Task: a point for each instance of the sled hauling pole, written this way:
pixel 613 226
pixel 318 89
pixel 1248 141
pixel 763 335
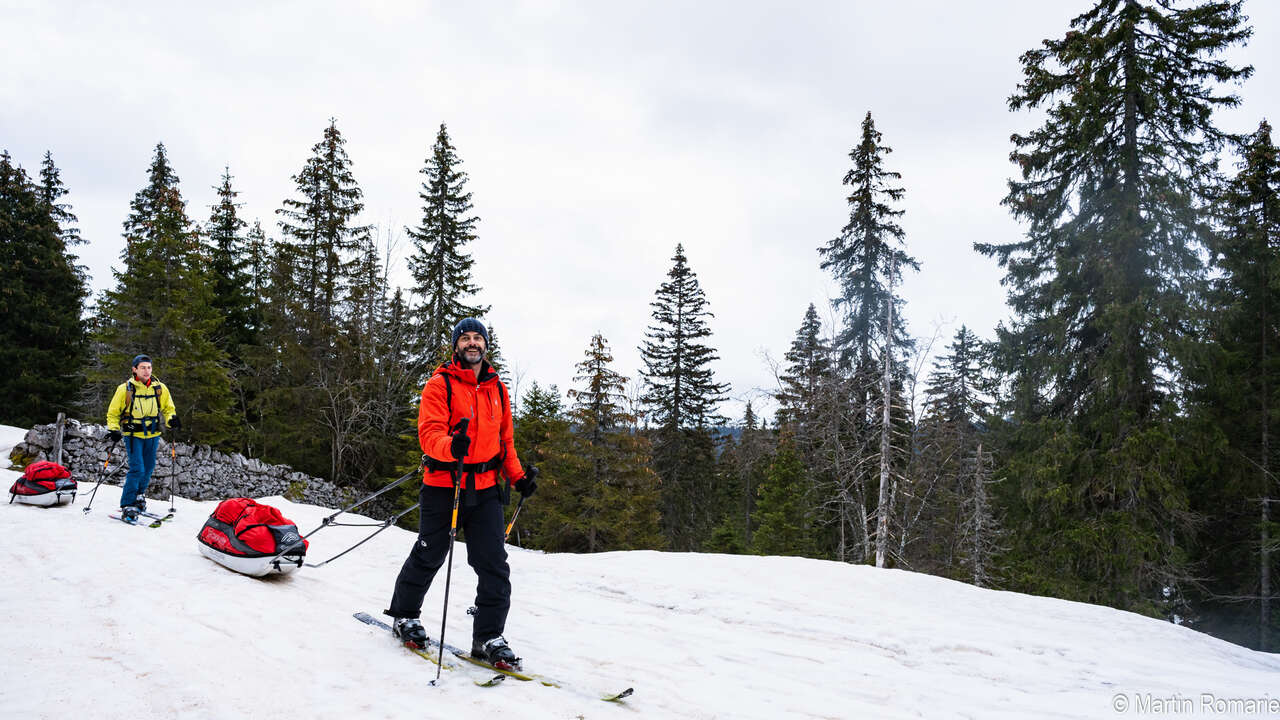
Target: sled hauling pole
pixel 326 522
pixel 453 533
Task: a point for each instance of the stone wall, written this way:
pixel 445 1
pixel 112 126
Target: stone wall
pixel 200 474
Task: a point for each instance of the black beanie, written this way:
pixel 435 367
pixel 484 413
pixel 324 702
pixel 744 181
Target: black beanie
pixel 469 325
pixel 144 358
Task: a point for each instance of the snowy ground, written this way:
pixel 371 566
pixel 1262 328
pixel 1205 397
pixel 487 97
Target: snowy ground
pixel 106 620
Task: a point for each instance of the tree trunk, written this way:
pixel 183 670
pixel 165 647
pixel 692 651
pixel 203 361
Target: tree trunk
pixel 1264 559
pixel 979 518
pixel 883 509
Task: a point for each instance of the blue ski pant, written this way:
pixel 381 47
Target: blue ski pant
pixel 142 461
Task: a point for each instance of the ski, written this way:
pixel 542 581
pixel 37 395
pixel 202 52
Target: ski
pixel 121 518
pixel 461 654
pixel 528 677
pixel 619 696
pixel 423 653
pixel 158 518
pixel 509 672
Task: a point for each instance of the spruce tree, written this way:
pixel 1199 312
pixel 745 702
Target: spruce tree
pixel 284 401
pixel 949 520
pixel 321 237
pixel 615 492
pixel 257 254
pixel 42 336
pixel 543 437
pixel 1103 289
pixel 317 333
pixel 162 306
pixel 441 264
pixel 741 469
pixel 229 267
pixel 1234 403
pixel 867 255
pixel 51 191
pixel 862 455
pixel 954 393
pixel 784 509
pixel 807 373
pixel 681 395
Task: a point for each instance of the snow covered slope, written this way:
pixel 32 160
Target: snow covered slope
pixel 104 620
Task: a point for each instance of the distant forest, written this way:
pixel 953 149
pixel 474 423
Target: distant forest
pixel 1110 444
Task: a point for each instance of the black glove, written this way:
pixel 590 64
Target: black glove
pixel 174 423
pixel 113 436
pixel 529 483
pixel 459 446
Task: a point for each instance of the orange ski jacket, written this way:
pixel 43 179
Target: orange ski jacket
pixel 485 403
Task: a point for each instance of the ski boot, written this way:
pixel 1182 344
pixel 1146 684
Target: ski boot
pixel 129 514
pixel 410 632
pixel 496 652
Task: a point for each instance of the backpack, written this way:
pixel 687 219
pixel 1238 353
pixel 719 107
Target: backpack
pixel 44 483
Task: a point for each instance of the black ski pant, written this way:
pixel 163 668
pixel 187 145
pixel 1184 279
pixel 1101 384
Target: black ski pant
pixel 482 526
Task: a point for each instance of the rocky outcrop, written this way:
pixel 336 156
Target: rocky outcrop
pixel 199 473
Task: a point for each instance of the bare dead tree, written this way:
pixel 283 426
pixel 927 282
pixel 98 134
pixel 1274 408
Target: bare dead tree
pixel 982 527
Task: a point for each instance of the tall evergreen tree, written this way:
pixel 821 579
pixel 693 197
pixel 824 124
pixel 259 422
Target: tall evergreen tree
pixel 441 265
pixel 51 191
pixel 867 255
pixel 317 335
pixel 1235 402
pixel 543 435
pixel 784 511
pixel 743 464
pixel 42 336
pixel 1103 288
pixel 682 395
pixel 950 524
pixel 955 390
pixel 257 253
pixel 230 283
pixel 614 492
pixel 864 454
pixel 807 373
pixel 247 372
pixel 162 305
pixel 321 236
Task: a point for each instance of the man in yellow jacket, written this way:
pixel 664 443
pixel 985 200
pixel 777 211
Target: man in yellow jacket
pixel 135 413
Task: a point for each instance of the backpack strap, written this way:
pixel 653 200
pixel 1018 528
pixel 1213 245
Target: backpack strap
pixel 128 405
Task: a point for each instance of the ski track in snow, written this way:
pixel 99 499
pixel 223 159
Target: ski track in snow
pixel 107 620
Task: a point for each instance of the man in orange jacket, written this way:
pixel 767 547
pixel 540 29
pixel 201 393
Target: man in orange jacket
pixel 465 388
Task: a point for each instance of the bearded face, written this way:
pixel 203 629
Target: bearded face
pixel 470 348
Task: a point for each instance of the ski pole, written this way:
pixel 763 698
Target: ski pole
pixel 514 515
pixel 453 533
pixel 102 476
pixel 173 458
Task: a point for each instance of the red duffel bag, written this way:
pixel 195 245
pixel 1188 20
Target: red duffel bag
pixel 44 483
pixel 252 538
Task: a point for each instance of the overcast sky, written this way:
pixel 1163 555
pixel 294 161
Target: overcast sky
pixel 596 135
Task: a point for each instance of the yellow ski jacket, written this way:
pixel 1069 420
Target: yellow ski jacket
pixel 150 403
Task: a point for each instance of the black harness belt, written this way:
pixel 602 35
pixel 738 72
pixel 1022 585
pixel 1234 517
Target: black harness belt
pixel 469 472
